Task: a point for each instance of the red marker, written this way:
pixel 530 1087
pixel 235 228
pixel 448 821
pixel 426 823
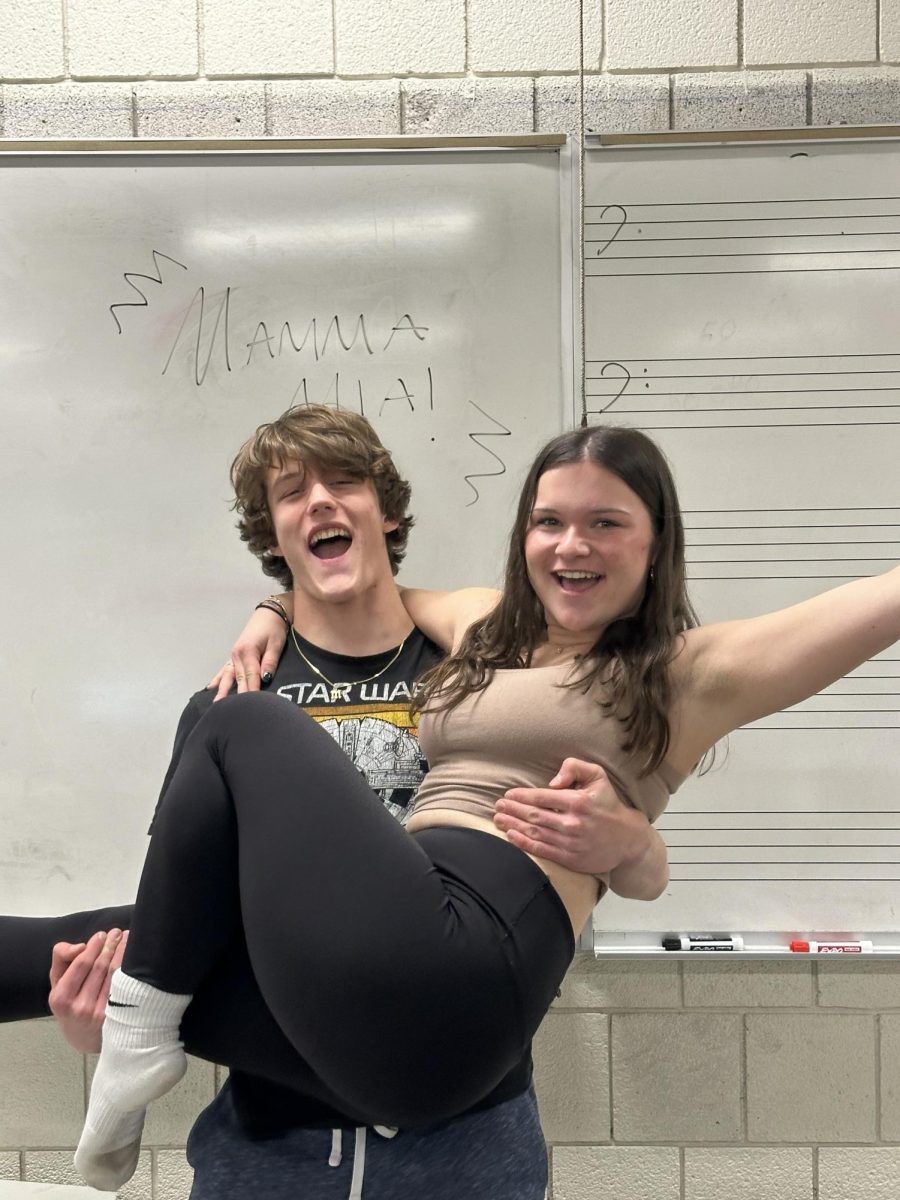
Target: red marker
pixel 831 947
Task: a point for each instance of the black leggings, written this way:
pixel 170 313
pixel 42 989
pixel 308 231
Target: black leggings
pixel 226 1022
pixel 26 947
pixel 408 973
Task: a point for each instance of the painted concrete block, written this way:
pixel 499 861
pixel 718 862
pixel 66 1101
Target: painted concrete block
pixel 890 1077
pixel 278 37
pixel 200 110
pixel 740 100
pixel 399 38
pixel 817 31
pixel 56 1166
pixel 890 30
pixel 871 985
pixel 67 110
pixel 662 34
pixel 612 104
pixel 334 108
pixel 571 1067
pixel 133 39
pixel 747 985
pixel 810 1077
pixel 676 1077
pixel 867 97
pixel 748 1174
pixel 540 36
pixel 31 40
pixel 9 1165
pixel 173 1176
pixel 847 1172
pixel 41 1087
pixel 615 1173
pixel 460 106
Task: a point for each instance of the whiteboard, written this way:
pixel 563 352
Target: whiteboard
pixel 741 306
pixel 156 307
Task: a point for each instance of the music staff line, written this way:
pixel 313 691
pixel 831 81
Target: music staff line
pixel 694 369
pixel 758 526
pixel 762 271
pixel 749 254
pixel 836 542
pixel 718 358
pixel 697 239
pixel 737 203
pixel 744 237
pixel 815 386
pixel 735 877
pixel 615 237
pixel 705 212
pixel 778 820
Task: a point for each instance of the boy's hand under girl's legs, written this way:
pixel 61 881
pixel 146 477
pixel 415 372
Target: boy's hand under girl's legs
pixel 141 1059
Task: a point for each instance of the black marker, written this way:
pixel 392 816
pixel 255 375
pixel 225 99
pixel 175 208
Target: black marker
pixel 702 941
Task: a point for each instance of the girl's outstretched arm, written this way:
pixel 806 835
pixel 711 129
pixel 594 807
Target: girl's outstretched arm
pixel 730 674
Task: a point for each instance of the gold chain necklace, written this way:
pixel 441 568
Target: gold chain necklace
pixel 339 689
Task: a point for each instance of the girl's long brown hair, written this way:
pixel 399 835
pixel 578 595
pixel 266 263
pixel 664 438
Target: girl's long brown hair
pixel 633 654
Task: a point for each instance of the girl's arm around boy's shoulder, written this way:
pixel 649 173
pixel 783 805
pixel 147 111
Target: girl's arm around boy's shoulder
pixel 730 674
pixel 445 616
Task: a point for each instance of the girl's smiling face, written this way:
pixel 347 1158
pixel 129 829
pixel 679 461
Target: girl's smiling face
pixel 588 550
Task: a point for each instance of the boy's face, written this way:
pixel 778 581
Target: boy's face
pixel 330 529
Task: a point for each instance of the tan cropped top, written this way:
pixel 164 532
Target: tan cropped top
pixel 516 733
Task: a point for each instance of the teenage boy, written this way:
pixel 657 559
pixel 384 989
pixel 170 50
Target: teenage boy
pixel 323 507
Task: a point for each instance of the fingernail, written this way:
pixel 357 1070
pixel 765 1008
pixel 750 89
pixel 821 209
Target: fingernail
pixel 267 677
pixel 114 936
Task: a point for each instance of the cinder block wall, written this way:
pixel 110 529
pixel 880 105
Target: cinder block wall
pixel 657 1082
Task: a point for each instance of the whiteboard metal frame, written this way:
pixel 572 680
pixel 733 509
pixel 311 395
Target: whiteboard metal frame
pixel 546 141
pixel 716 137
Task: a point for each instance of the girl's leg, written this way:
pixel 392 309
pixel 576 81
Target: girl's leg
pixel 26 947
pixel 378 967
pixel 227 1022
pixel 266 821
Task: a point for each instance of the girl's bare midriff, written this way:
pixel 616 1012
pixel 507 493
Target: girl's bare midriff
pixel 579 893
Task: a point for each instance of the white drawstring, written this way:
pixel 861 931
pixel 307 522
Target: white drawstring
pixel 359 1164
pixel 359 1155
pixel 334 1158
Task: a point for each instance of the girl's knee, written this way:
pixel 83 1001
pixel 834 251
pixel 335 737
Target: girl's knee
pixel 251 712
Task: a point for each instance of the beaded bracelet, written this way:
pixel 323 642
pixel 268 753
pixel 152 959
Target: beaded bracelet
pixel 274 605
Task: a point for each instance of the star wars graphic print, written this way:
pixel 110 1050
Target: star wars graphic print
pixel 384 745
pixel 368 718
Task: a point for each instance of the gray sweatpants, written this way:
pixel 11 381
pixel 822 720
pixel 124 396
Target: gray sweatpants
pixel 496 1154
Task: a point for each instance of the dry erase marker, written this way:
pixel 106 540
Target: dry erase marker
pixel 804 947
pixel 702 941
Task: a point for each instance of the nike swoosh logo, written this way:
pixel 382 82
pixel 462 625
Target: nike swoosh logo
pixel 119 1004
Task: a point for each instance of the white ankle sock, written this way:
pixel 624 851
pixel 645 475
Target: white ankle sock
pixel 141 1059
